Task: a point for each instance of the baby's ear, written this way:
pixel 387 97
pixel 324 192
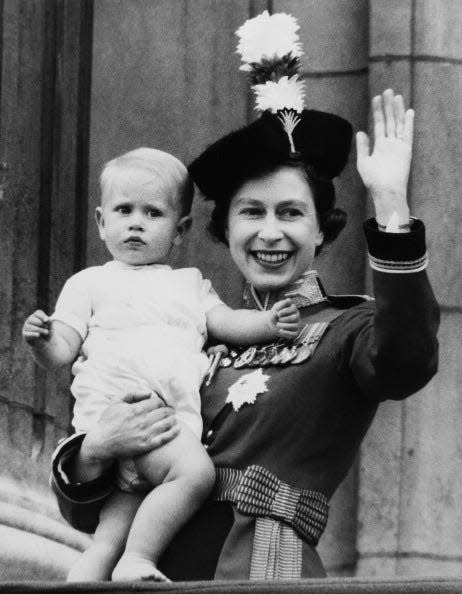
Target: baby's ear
pixel 100 221
pixel 183 226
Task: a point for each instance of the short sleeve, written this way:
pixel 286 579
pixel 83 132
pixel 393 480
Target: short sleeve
pixel 74 305
pixel 209 297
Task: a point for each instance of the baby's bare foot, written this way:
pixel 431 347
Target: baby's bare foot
pixel 132 567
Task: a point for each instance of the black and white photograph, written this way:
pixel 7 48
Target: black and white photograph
pixel 231 296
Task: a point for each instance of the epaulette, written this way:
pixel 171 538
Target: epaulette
pixel 347 301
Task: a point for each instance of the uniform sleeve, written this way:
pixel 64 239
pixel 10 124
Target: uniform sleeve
pixel 73 306
pixel 79 503
pixel 391 348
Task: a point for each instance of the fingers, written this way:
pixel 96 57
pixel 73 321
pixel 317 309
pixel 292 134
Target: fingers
pixel 36 326
pixel 408 126
pixel 362 145
pixel 159 440
pixel 152 402
pixel 399 115
pixel 288 318
pixel 288 333
pixel 292 325
pixel 286 310
pixel 390 118
pixel 377 114
pixel 388 101
pixel 132 398
pixel 157 428
pixel 281 305
pixel 164 416
pixel 383 115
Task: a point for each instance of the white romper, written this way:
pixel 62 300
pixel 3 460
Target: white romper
pixel 143 329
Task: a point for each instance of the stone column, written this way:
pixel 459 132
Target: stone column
pixel 410 520
pixel 42 45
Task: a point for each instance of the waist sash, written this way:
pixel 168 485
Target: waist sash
pixel 284 515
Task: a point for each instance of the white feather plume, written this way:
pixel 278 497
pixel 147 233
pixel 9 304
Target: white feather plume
pixel 268 36
pixel 270 49
pixel 286 93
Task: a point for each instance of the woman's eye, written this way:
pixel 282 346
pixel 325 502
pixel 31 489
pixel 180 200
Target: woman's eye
pixel 251 211
pixel 290 213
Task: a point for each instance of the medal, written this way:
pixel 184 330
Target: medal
pixel 276 357
pixel 245 358
pixel 304 352
pixel 270 352
pixel 287 354
pixel 277 353
pixel 261 357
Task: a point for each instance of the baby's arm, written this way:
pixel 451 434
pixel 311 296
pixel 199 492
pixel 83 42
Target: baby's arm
pixel 52 343
pixel 242 326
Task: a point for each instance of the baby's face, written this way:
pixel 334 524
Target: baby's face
pixel 140 224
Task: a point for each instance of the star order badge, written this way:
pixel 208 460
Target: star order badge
pixel 247 388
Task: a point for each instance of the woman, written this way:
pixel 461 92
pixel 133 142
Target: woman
pixel 283 422
pixel 295 444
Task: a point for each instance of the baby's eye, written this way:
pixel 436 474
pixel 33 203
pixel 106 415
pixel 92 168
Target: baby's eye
pixel 153 213
pixel 123 210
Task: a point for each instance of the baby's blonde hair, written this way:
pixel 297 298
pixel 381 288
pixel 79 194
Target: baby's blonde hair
pixel 155 164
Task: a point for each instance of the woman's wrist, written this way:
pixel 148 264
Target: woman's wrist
pixel 394 212
pixel 90 462
pixel 394 226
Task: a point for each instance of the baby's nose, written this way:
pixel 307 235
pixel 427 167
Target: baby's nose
pixel 136 223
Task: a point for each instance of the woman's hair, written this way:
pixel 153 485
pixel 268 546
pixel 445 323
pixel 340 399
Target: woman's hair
pixel 331 220
pixel 148 166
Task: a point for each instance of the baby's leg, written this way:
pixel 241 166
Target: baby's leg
pixel 116 517
pixel 185 476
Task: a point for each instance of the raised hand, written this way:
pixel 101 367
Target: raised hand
pixel 36 326
pixel 385 171
pixel 286 318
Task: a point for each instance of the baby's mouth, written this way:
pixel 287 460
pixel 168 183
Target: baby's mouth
pixel 271 258
pixel 134 240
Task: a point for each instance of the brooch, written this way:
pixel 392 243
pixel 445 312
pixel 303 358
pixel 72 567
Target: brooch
pixel 247 388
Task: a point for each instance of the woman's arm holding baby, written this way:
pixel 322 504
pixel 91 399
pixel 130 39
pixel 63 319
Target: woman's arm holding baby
pixel 52 343
pixel 243 326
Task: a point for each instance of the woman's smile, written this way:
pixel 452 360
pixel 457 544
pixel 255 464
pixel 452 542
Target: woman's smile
pixel 272 258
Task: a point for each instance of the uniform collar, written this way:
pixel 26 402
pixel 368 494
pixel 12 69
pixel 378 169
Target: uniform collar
pixel 305 291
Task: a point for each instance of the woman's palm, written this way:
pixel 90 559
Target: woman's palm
pixel 386 169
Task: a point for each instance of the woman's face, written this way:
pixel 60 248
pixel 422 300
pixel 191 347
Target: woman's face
pixel 273 229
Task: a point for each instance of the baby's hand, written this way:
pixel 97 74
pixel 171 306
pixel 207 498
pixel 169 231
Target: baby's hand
pixel 36 326
pixel 286 318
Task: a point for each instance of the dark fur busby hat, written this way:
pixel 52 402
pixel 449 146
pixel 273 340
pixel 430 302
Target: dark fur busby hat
pixel 321 140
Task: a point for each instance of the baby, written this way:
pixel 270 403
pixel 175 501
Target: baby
pixel 135 325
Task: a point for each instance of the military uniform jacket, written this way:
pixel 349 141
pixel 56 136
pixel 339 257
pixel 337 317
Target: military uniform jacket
pixel 280 458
